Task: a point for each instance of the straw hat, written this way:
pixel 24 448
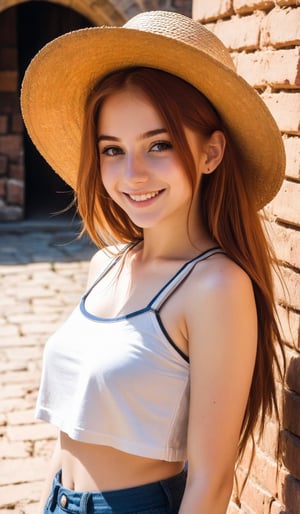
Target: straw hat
pixel 60 76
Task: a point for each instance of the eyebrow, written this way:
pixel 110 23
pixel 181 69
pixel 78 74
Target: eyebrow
pixel 146 135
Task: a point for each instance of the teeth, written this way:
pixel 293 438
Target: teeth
pixel 143 197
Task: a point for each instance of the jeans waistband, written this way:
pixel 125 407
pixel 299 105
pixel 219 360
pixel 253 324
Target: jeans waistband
pixel 154 495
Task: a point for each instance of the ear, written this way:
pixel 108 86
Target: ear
pixel 214 149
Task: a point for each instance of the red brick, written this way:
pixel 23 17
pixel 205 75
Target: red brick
pixel 15 192
pixel 8 81
pixel 281 28
pixel 286 243
pixel 3 124
pixel 16 171
pixel 291 453
pixel 233 509
pixel 285 108
pixel 245 7
pixel 291 413
pixel 17 124
pixel 255 499
pixel 276 68
pixel 264 470
pixel 292 150
pixel 9 102
pixel 291 492
pixel 267 444
pixel 212 10
pixel 2 188
pixel 285 3
pixel 289 294
pixel 3 164
pixel 285 206
pixel 11 146
pixel 265 498
pixel 8 58
pixel 289 326
pixel 8 24
pixel 240 33
pixel 276 507
pixel 293 374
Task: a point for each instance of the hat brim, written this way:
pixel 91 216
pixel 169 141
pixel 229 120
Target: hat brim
pixel 59 78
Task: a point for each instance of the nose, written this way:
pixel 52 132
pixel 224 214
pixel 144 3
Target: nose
pixel 135 169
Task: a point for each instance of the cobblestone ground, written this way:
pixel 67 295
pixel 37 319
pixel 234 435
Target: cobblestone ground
pixel 43 271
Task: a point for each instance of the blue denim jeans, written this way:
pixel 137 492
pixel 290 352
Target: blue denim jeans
pixel 163 497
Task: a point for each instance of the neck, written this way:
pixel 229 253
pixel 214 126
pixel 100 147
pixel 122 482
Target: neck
pixel 179 244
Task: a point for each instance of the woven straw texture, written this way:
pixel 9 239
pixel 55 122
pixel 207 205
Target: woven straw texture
pixel 60 76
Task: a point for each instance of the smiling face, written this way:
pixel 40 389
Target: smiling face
pixel 140 168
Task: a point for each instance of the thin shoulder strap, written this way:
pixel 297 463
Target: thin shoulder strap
pixel 110 265
pixel 107 268
pixel 170 287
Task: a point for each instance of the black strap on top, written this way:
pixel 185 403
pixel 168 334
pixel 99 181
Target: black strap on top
pixel 172 284
pixel 109 266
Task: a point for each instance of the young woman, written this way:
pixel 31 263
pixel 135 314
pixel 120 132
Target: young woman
pixel 169 357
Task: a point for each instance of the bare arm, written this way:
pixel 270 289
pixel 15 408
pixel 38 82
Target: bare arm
pixel 222 333
pixel 54 466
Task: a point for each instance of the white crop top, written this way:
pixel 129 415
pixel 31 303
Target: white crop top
pixel 119 382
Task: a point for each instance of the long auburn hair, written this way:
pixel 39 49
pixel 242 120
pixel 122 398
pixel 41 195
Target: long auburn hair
pixel 226 208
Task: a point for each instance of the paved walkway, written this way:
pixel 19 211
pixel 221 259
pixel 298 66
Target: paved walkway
pixel 43 270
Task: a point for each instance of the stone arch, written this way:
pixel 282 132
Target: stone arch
pixel 99 12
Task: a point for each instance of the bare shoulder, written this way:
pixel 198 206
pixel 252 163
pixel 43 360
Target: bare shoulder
pixel 218 275
pixel 219 289
pixel 98 262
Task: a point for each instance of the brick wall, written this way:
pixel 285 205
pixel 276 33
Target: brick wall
pixel 264 37
pixel 11 158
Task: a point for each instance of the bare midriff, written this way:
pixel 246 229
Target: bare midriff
pixel 91 467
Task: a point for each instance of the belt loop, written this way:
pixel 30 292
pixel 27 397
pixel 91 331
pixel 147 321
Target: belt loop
pixel 84 503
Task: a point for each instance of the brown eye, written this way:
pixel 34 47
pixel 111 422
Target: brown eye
pixel 161 146
pixel 111 151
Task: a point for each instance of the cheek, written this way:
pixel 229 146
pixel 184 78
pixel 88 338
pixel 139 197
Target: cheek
pixel 106 181
pixel 106 174
pixel 109 181
pixel 185 179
